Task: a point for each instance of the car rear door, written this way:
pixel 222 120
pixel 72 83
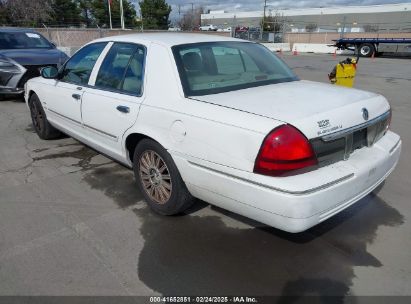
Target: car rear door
pixel 64 100
pixel 111 102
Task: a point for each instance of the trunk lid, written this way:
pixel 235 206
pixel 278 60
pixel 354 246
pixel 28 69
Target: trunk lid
pixel 315 108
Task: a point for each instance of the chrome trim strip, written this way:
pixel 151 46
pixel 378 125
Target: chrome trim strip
pixel 395 146
pixel 102 132
pixel 63 116
pixel 309 191
pixel 345 132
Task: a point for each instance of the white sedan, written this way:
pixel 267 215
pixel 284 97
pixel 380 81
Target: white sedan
pixel 222 120
pixel 208 27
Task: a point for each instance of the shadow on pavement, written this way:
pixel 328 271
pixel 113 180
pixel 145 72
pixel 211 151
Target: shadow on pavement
pixel 194 255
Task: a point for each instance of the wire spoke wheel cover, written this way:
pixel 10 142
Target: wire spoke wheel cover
pixel 155 177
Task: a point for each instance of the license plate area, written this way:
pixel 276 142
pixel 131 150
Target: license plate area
pixel 336 147
pixel 354 141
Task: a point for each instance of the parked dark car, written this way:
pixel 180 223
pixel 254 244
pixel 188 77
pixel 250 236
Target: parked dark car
pixel 23 53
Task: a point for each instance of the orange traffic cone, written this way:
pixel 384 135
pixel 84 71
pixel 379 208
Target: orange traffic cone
pixel 373 56
pixel 335 53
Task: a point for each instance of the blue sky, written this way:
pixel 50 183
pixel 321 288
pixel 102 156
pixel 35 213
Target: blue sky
pixel 249 5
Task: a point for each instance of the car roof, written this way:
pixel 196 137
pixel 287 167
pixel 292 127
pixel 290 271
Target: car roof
pixel 168 39
pixel 16 30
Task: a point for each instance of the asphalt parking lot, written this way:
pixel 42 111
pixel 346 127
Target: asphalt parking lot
pixel 72 222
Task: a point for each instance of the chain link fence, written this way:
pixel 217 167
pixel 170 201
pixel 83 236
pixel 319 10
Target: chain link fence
pixel 71 39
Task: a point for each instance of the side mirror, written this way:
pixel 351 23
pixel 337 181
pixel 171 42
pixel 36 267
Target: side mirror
pixel 49 72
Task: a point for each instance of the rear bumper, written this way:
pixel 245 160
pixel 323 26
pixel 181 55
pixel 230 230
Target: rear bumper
pixel 287 203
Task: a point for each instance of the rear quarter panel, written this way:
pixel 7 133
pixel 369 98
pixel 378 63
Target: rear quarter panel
pixel 194 129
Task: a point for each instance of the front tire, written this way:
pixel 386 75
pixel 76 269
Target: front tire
pixel 40 123
pixel 159 180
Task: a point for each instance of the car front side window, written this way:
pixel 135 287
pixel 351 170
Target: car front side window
pixel 78 69
pixel 122 69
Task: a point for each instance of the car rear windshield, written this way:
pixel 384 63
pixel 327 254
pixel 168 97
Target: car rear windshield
pixel 216 67
pixel 23 40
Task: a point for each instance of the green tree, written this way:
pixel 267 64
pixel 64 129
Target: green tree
pixel 4 20
pixel 155 14
pixel 85 12
pixel 311 27
pixel 99 9
pixel 272 23
pixel 25 12
pixel 66 13
pixel 191 19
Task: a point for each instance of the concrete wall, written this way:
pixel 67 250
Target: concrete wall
pixel 278 47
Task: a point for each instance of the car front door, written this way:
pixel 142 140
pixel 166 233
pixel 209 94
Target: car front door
pixel 111 102
pixel 64 100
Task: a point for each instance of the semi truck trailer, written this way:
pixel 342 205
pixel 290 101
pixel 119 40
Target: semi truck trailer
pixel 367 47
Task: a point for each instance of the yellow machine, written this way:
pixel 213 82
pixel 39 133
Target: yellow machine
pixel 343 73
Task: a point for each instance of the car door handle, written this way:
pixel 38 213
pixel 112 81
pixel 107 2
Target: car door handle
pixel 76 96
pixel 123 109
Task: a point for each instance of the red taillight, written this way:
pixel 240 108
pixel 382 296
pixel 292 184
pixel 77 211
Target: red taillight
pixel 283 150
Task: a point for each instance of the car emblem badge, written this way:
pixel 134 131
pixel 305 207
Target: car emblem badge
pixel 324 123
pixel 365 114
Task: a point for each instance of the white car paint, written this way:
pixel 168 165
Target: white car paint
pixel 208 27
pixel 214 139
pixel 287 102
pixel 174 29
pixel 225 30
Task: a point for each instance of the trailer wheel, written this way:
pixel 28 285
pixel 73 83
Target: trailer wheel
pixel 366 50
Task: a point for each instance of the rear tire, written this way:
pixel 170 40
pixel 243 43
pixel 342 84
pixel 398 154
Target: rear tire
pixel 366 50
pixel 159 180
pixel 40 123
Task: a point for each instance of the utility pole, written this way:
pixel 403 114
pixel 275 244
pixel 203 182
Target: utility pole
pixel 234 26
pixel 109 13
pixel 122 15
pixel 142 21
pixel 263 23
pixel 343 27
pixel 192 16
pixel 265 8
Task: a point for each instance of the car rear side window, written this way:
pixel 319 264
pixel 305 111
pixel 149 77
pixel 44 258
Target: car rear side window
pixel 78 69
pixel 122 69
